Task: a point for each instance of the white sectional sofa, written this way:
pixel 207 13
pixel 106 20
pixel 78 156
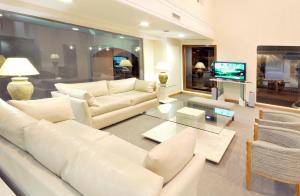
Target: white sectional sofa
pixel 43 151
pixel 103 103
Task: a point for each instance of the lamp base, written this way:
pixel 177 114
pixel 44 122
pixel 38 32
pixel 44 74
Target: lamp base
pixel 20 88
pixel 163 78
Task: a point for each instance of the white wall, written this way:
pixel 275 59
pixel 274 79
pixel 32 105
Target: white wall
pixel 169 52
pixel 240 26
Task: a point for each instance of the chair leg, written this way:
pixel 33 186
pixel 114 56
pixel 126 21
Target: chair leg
pixel 297 189
pixel 248 166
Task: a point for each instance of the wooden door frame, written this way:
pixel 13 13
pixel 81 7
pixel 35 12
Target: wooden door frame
pixel 184 47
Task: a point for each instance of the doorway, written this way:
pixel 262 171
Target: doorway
pixel 197 67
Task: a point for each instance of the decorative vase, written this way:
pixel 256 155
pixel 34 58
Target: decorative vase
pixel 163 78
pixel 20 88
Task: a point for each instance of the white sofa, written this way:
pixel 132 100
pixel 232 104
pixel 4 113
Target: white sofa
pixel 63 157
pixel 103 103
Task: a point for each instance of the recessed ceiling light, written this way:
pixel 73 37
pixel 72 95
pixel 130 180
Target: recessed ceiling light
pixel 1 15
pixel 122 37
pixel 99 49
pixel 144 24
pixel 67 1
pixel 181 35
pixel 90 48
pixel 107 49
pixel 75 29
pixel 71 47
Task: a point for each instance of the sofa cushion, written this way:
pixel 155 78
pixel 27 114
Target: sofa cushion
pixel 145 86
pixel 52 109
pixel 137 97
pixel 12 123
pixel 120 86
pixel 122 148
pixel 106 104
pixel 77 93
pixel 169 158
pixel 80 131
pixel 50 146
pixel 98 172
pixel 98 88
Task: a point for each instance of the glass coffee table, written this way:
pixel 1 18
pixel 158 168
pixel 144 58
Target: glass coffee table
pixel 213 137
pixel 215 118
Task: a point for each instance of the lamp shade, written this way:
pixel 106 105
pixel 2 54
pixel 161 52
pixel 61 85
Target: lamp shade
pixel 200 65
pixel 18 67
pixel 125 63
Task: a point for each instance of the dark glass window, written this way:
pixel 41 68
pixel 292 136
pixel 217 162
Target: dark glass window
pixel 67 53
pixel 278 74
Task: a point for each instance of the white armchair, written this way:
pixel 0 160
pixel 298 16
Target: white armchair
pixel 274 154
pixel 279 119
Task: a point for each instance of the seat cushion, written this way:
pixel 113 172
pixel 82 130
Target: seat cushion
pixel 122 148
pixel 98 172
pixel 12 123
pixel 98 88
pixel 145 86
pixel 50 146
pixel 80 131
pixel 120 86
pixel 51 109
pixel 169 158
pixel 105 104
pixel 137 97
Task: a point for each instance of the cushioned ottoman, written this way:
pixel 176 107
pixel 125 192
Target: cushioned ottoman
pixel 191 116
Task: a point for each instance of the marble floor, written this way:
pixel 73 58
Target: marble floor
pixel 225 178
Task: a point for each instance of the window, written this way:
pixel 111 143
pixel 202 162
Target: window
pixel 67 53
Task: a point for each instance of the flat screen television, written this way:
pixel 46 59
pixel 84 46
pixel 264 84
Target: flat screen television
pixel 117 60
pixel 229 70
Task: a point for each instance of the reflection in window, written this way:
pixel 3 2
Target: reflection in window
pixel 278 75
pixel 198 70
pixel 67 53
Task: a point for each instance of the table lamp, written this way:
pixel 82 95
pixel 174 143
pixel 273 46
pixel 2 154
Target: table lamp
pixel 200 67
pixel 2 60
pixel 125 63
pixel 19 88
pixel 162 76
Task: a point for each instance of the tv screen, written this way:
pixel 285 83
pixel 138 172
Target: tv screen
pixel 229 70
pixel 117 60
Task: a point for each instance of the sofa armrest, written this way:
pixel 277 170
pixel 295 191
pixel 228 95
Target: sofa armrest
pixel 80 108
pixel 279 116
pixel 277 135
pixel 280 163
pixel 187 181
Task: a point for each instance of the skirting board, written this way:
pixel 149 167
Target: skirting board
pixel 212 146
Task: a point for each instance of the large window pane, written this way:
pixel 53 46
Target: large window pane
pixel 67 53
pixel 278 75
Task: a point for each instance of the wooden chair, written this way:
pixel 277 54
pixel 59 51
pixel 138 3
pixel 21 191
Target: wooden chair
pixel 274 154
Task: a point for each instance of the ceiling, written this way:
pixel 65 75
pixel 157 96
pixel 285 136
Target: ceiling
pixel 122 17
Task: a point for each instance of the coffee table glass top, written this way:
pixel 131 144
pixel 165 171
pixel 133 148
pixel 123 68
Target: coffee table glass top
pixel 215 118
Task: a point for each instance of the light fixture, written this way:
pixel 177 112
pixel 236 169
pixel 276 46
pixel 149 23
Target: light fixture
pixel 90 48
pixel 99 49
pixel 75 29
pixel 125 63
pixel 67 1
pixel 137 49
pixel 71 47
pixel 144 24
pixel 19 88
pixel 1 15
pixel 181 35
pixel 122 37
pixel 107 49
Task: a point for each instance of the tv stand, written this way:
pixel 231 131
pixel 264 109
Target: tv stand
pixel 243 85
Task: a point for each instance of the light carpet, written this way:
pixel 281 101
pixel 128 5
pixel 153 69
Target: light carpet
pixel 226 178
